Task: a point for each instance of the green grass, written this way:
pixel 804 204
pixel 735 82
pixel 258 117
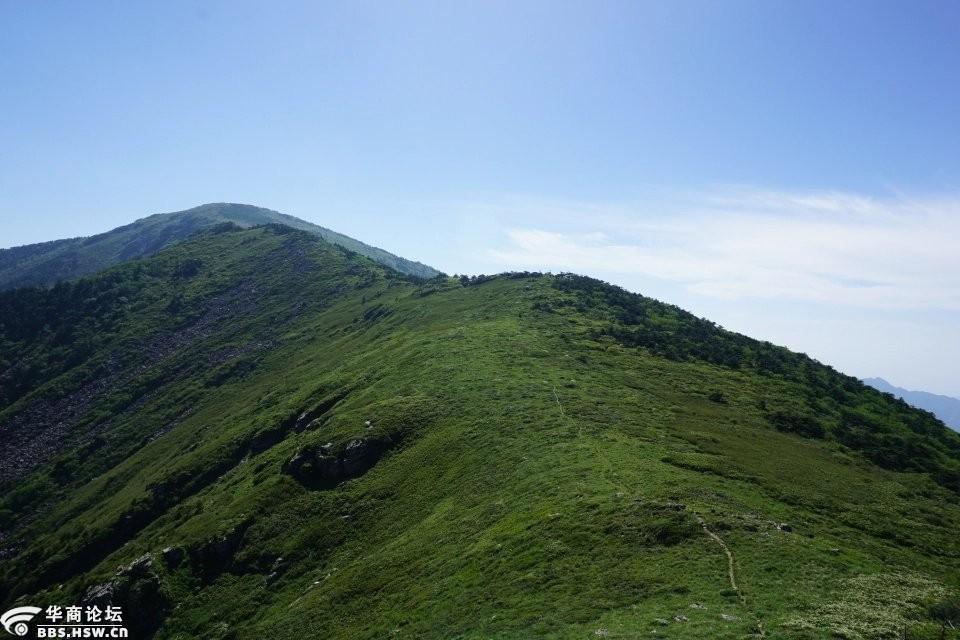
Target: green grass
pixel 547 478
pixel 48 262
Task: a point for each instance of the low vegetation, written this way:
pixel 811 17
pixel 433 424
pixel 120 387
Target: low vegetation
pixel 295 441
pixel 46 263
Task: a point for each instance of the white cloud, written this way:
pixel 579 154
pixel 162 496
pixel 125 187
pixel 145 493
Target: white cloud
pixel 840 248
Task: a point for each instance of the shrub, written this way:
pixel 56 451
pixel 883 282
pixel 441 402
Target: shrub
pixel 800 424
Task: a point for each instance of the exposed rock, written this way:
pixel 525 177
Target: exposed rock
pixel 681 618
pixel 728 618
pixel 232 353
pixel 276 570
pixel 321 467
pixel 100 594
pixel 360 455
pixel 303 420
pixel 139 567
pixel 213 557
pixel 314 416
pixel 47 425
pixel 173 556
pixel 136 589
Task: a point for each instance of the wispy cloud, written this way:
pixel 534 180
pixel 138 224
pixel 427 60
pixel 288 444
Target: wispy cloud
pixel 895 253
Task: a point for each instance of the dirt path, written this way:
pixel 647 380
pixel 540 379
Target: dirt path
pixel 726 550
pixel 731 571
pixel 731 562
pixel 557 398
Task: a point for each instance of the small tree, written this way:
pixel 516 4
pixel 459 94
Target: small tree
pixel 947 613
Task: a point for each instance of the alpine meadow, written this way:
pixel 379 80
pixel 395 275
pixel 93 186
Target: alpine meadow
pixel 256 433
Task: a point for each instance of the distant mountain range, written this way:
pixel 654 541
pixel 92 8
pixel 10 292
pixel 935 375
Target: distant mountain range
pixel 48 262
pixel 944 407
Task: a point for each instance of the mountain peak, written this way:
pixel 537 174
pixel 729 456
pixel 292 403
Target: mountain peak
pixel 48 262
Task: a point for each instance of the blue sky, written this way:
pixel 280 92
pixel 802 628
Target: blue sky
pixel 790 170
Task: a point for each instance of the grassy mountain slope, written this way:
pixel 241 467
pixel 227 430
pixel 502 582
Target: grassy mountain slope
pixel 273 437
pixel 49 262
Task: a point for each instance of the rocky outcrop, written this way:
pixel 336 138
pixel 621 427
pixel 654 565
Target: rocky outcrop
pixel 212 557
pixel 137 590
pixel 172 556
pixel 327 466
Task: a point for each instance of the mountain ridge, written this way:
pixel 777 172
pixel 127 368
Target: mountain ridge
pixel 43 264
pixel 946 408
pixel 252 426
